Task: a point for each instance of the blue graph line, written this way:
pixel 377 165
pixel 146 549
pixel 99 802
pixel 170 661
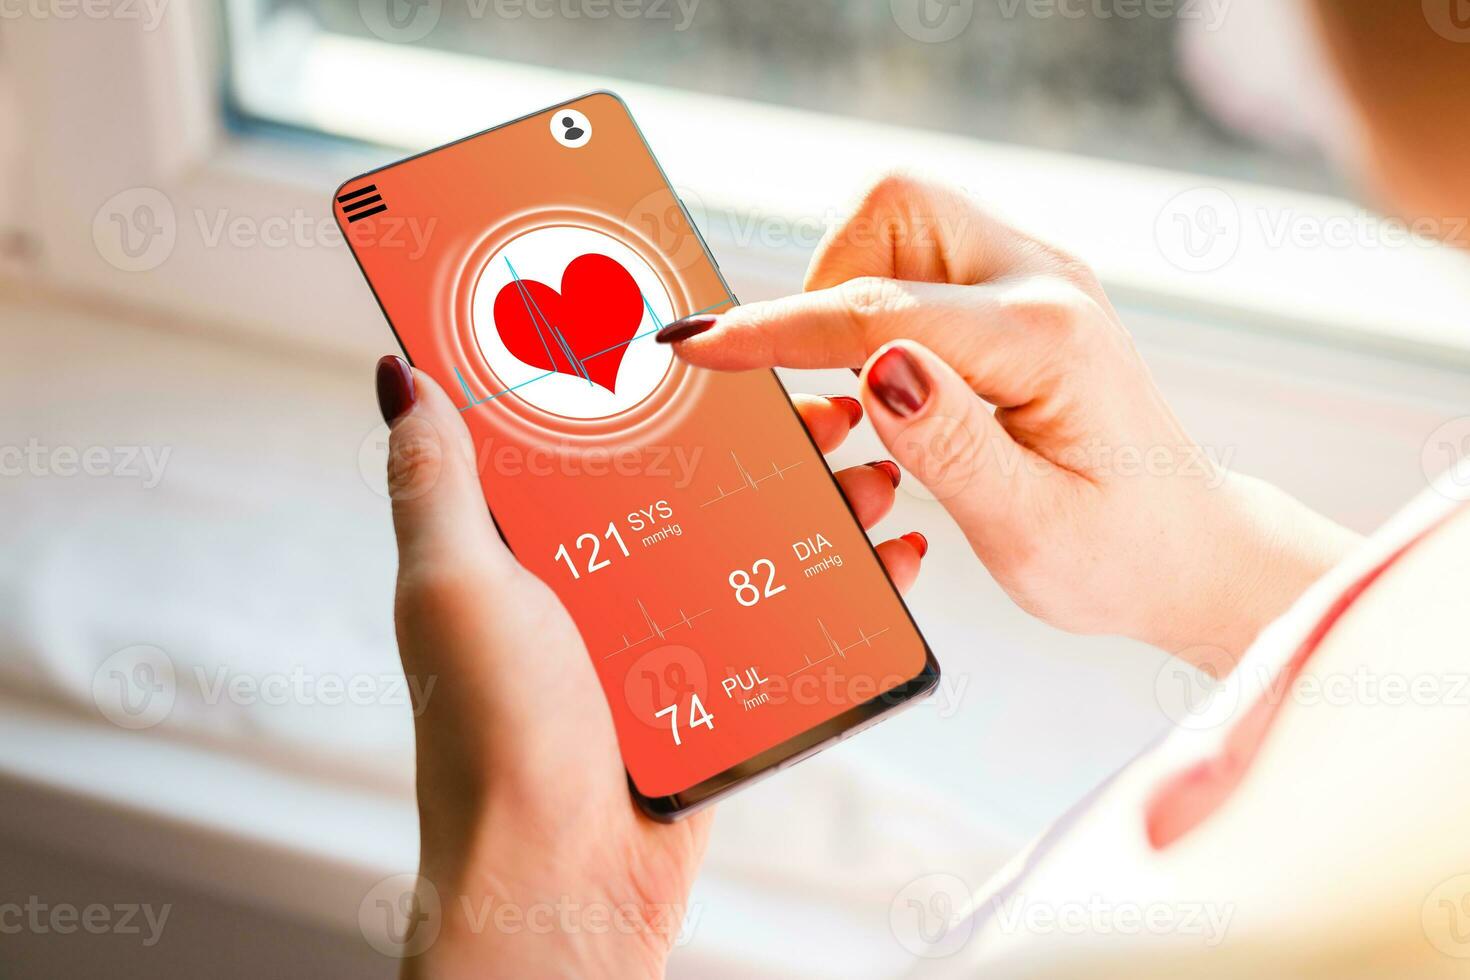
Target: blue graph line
pixel 469 397
pixel 658 325
pixel 531 305
pixel 534 325
pixel 525 301
pixel 652 313
pixel 506 391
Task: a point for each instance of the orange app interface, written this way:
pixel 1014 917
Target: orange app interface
pixel 728 600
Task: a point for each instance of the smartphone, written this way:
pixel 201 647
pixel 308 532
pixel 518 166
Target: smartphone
pixel 734 610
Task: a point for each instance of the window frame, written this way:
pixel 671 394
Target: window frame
pixel 167 122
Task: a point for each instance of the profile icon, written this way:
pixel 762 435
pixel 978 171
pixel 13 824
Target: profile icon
pixel 570 128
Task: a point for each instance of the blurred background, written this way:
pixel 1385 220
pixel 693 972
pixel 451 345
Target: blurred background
pixel 205 742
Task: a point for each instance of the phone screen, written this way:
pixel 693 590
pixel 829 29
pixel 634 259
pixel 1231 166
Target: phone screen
pixel 733 608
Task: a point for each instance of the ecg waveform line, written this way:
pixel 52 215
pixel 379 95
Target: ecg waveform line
pixel 837 650
pixel 749 482
pixel 538 320
pixel 579 365
pixel 654 629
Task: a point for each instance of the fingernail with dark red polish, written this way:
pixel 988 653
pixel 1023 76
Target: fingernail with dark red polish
pixel 396 393
pixel 920 543
pixel 899 382
pixel 889 469
pixel 851 406
pixel 690 326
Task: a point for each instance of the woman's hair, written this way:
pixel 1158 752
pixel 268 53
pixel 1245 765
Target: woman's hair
pixel 1406 65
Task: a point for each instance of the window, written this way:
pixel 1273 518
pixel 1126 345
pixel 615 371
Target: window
pixel 1097 79
pixel 767 114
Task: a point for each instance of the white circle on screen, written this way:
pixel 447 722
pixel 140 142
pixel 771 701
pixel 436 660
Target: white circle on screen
pixel 564 316
pixel 571 128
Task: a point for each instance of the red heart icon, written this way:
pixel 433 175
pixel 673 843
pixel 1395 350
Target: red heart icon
pixel 583 330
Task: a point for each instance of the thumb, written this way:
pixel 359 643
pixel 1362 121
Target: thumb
pixel 939 430
pixel 439 511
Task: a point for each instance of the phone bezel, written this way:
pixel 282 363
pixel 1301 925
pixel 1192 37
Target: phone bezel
pixel 865 714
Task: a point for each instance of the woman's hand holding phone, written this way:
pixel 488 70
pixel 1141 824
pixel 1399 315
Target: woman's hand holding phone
pixel 523 800
pixel 997 372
